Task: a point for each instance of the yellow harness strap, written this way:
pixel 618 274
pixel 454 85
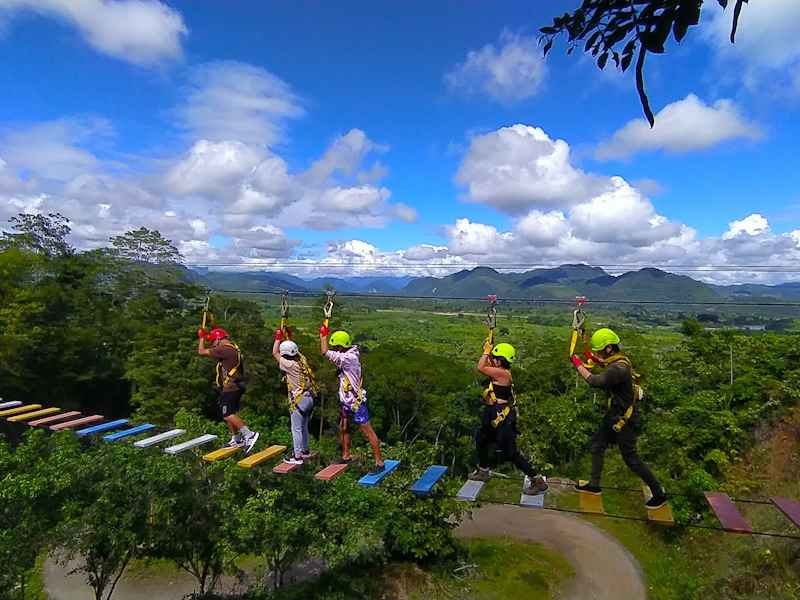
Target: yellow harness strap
pixel 490 398
pixel 307 382
pixel 224 377
pixel 347 386
pixel 637 391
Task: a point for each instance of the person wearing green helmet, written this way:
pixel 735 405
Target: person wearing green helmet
pixel 499 418
pixel 341 351
pixel 621 418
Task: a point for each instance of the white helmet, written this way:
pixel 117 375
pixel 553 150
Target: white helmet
pixel 289 349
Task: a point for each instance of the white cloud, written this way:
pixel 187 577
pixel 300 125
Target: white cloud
pixel 466 238
pixel 683 126
pixel 767 48
pixel 235 101
pixel 510 72
pixel 543 229
pixel 517 167
pixel 212 168
pixel 142 32
pixel 751 225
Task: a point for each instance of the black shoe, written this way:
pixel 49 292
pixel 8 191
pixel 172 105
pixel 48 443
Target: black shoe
pixel 589 489
pixel 656 501
pixel 345 461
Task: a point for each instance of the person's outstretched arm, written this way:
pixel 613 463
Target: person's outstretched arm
pixel 201 343
pixel 484 367
pixel 276 345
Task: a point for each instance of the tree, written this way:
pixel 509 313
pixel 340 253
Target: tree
pixel 145 246
pixel 43 234
pixel 624 29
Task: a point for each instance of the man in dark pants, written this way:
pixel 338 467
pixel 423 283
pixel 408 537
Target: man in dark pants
pixel 621 418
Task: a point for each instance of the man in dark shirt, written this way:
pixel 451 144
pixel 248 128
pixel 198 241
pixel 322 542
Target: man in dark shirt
pixel 621 417
pixel 229 382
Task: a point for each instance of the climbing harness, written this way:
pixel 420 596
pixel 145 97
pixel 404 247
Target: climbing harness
pixel 637 391
pixel 307 384
pixel 234 375
pixel 489 396
pixel 579 331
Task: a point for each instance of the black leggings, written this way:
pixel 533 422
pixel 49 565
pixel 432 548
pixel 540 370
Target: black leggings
pixel 504 437
pixel 626 440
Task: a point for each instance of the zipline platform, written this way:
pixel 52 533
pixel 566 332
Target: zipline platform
pixel 371 480
pixel 431 476
pixel 32 415
pixel 157 439
pixel 729 516
pixel 331 472
pixel 55 418
pixel 259 457
pixel 113 437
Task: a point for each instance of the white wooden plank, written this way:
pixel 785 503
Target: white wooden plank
pixel 157 439
pixel 470 490
pixel 193 443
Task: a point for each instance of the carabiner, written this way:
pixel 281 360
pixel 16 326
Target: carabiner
pixel 328 308
pixel 491 314
pixel 285 304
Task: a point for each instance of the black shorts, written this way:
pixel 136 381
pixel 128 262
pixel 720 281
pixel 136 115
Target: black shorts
pixel 230 402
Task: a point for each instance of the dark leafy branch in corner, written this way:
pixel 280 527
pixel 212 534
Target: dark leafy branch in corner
pixel 622 29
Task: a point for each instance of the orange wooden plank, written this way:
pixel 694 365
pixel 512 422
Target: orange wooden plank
pixel 54 418
pixel 331 472
pixel 76 422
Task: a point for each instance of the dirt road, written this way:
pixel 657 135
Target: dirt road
pixel 604 570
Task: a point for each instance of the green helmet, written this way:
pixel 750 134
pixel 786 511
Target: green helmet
pixel 341 338
pixel 506 351
pixel 602 338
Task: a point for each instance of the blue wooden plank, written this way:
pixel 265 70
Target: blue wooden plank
pixel 113 437
pixel 425 484
pixel 373 480
pixel 102 427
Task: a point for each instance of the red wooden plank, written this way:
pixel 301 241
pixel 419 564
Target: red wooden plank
pixel 790 508
pixel 54 418
pixel 331 472
pixel 76 423
pixel 729 516
pixel 284 467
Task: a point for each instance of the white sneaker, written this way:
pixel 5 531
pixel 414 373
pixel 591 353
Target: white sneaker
pixel 250 441
pixel 291 459
pixel 235 442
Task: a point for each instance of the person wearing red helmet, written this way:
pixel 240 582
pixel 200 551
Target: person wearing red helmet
pixel 229 381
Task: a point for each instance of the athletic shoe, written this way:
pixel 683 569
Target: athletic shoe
pixel 480 474
pixel 589 489
pixel 235 442
pixel 538 485
pixel 291 459
pixel 306 454
pixel 376 470
pixel 250 441
pixel 657 501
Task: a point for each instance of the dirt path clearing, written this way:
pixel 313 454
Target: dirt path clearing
pixel 604 570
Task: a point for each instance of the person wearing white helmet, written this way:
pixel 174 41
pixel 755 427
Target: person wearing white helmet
pixel 301 387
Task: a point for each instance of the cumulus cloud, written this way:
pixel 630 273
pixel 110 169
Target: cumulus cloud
pixel 751 225
pixel 509 72
pixel 517 167
pixel 683 126
pixel 142 32
pixel 231 100
pixel 212 168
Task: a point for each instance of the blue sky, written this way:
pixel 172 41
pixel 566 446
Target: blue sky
pixel 384 135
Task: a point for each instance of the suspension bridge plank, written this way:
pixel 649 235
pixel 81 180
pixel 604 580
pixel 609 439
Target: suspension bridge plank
pixel 76 423
pixel 371 480
pixel 729 516
pixel 331 472
pixel 429 478
pixel 220 453
pixel 663 514
pixel 790 508
pixel 55 418
pixel 590 502
pixel 193 443
pixel 32 415
pixel 470 490
pixel 20 409
pixel 15 403
pixel 157 439
pixel 535 501
pixel 259 457
pixel 118 435
pixel 283 467
pixel 107 426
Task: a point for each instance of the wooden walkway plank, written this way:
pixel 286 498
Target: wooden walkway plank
pixel 157 439
pixel 729 516
pixel 470 490
pixel 589 502
pixel 535 501
pixel 15 403
pixel 32 415
pixel 371 480
pixel 259 457
pixel 661 515
pixel 193 443
pixel 331 472
pixel 118 435
pixel 20 409
pixel 428 479
pixel 790 508
pixel 282 468
pixel 55 418
pixel 220 453
pixel 76 423
pixel 109 425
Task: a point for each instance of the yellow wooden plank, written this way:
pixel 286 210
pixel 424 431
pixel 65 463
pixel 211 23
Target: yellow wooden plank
pixel 19 410
pixel 590 503
pixel 662 515
pixel 32 415
pixel 259 457
pixel 219 454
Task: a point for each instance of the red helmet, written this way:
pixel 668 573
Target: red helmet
pixel 217 333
